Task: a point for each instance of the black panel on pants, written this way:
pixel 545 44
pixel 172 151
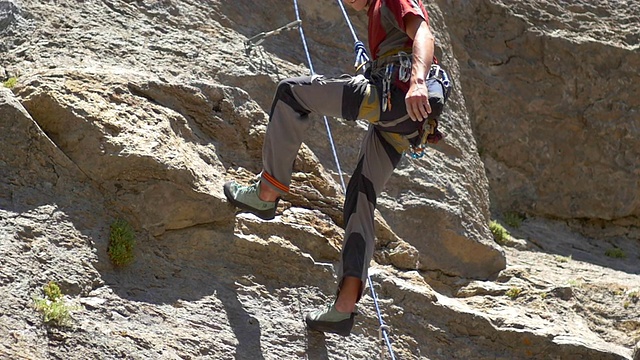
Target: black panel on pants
pixel 285 94
pixel 353 255
pixel 352 97
pixel 358 183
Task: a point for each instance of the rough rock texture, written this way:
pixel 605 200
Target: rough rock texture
pixel 142 109
pixel 457 199
pixel 552 91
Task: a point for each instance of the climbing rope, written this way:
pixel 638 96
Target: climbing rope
pixel 361 59
pixel 361 52
pixel 326 121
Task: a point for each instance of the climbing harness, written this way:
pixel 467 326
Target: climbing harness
pixel 401 61
pixel 404 74
pixel 258 39
pixel 436 73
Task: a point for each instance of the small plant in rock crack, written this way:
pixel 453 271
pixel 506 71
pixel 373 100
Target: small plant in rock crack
pixel 10 83
pixel 513 219
pixel 514 292
pixel 500 234
pixel 121 243
pixel 563 259
pixel 53 307
pixel 618 292
pixel 575 283
pixel 616 253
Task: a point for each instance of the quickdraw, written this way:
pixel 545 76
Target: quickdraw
pixel 416 152
pixel 431 136
pixel 258 39
pixel 404 74
pixel 386 87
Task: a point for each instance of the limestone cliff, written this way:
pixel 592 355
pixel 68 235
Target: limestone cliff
pixel 141 110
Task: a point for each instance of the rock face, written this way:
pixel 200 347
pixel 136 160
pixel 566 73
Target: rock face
pixel 553 92
pixel 141 110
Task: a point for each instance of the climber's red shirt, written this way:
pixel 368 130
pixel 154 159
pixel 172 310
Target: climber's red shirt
pixel 386 25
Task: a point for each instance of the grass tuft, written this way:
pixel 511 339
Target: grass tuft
pixel 514 292
pixel 513 219
pixel 500 234
pixel 53 307
pixel 121 243
pixel 616 253
pixel 563 259
pixel 10 83
pixel 576 283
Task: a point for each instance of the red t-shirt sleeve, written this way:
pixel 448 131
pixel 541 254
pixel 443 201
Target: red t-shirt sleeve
pixel 400 8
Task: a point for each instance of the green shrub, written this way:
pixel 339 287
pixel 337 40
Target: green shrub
pixel 121 243
pixel 52 306
pixel 52 291
pixel 514 292
pixel 500 234
pixel 513 219
pixel 10 83
pixel 616 253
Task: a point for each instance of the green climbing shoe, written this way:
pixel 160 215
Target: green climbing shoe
pixel 246 198
pixel 331 320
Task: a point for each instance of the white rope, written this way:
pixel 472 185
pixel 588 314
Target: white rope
pixel 361 58
pixel 326 121
pixel 381 333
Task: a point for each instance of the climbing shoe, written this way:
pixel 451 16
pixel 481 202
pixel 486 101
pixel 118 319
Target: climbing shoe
pixel 246 198
pixel 330 320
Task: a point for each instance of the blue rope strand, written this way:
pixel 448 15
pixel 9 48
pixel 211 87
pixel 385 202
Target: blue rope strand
pixel 360 50
pixel 361 57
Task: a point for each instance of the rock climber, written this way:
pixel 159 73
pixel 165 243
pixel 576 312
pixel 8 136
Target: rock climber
pixel 401 94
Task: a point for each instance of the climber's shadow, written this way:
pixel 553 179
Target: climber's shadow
pixel 190 266
pixel 245 327
pixel 316 346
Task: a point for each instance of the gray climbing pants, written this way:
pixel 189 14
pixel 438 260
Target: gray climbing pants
pixel 350 98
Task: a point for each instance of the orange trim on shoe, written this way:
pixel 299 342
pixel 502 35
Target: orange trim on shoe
pixel 277 184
